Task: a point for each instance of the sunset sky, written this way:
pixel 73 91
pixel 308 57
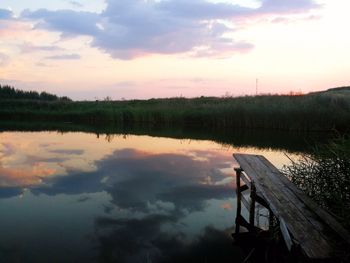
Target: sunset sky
pixel 91 49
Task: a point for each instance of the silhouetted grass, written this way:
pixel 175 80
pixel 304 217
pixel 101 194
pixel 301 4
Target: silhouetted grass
pixel 325 176
pixel 314 112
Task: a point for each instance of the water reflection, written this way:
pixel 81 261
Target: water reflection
pixel 77 198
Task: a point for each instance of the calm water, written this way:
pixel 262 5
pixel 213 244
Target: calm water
pixel 78 197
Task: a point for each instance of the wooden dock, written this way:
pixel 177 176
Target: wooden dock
pixel 305 227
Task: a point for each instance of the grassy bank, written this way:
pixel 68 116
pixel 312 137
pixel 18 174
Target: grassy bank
pixel 313 112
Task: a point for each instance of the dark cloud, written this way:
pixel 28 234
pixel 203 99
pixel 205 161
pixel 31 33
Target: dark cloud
pixel 74 183
pixel 108 209
pixel 192 197
pixel 167 177
pixel 5 14
pixel 64 57
pixel 6 192
pixel 83 199
pixel 143 240
pixel 131 240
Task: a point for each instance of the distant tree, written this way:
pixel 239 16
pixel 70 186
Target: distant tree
pixel 8 92
pixel 108 98
pixel 47 96
pixel 65 98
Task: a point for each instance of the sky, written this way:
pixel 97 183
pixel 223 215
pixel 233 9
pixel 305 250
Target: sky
pixel 140 49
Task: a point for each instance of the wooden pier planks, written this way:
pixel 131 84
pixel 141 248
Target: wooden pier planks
pixel 304 221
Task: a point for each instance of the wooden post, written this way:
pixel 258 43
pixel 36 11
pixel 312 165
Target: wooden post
pixel 252 205
pixel 271 223
pixel 239 197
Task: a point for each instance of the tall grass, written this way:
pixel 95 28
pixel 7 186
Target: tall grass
pixel 314 112
pixel 325 176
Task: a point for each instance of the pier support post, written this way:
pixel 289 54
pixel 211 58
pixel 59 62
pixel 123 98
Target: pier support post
pixel 252 205
pixel 239 197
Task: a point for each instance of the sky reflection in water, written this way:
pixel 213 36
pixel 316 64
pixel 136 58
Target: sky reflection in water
pixel 77 198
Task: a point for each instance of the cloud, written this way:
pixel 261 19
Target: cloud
pixel 76 4
pixel 139 223
pixel 41 64
pixel 64 57
pixel 27 47
pixel 291 6
pixel 83 199
pixel 7 149
pixel 191 197
pixel 134 28
pixel 18 177
pixel 202 10
pixel 138 28
pixel 69 22
pixel 68 151
pixel 5 14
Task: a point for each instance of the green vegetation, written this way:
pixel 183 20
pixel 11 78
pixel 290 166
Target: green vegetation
pixel 10 93
pixel 314 112
pixel 325 176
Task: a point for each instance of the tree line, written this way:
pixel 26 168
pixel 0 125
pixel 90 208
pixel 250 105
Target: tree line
pixel 8 92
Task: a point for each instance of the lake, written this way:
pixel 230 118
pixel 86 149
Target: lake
pixel 87 197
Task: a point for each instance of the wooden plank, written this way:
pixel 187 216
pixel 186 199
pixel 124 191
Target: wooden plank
pixel 246 179
pixel 313 244
pixel 321 213
pixel 272 190
pixel 293 197
pixel 314 214
pixel 285 234
pixel 276 177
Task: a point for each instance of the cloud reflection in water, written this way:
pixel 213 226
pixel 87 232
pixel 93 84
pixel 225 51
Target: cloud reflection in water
pixel 164 207
pixel 160 192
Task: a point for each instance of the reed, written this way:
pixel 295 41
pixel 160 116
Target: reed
pixel 313 112
pixel 325 176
